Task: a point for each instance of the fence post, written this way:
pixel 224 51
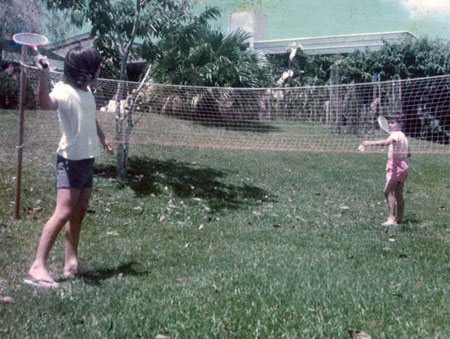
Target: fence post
pixel 19 147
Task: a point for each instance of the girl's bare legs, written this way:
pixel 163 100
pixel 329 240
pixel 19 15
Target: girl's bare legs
pixel 390 199
pixel 66 201
pixel 72 234
pixel 400 201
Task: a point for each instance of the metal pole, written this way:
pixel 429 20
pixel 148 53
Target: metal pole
pixel 19 147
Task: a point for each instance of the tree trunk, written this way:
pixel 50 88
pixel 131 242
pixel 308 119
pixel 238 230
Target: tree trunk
pixel 123 113
pixel 122 144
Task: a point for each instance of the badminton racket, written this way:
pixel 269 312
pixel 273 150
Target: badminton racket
pixel 32 40
pixel 384 125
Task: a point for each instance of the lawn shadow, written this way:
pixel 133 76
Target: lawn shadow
pixel 150 176
pixel 95 277
pixel 409 221
pixel 240 125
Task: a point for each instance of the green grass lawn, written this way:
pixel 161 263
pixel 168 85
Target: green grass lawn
pixel 230 243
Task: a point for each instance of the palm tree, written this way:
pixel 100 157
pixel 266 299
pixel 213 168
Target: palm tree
pixel 199 55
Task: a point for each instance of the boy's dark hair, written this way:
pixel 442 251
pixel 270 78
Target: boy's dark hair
pixel 81 65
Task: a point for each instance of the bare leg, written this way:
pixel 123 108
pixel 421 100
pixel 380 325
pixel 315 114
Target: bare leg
pixel 73 229
pixel 390 200
pixel 400 201
pixel 65 205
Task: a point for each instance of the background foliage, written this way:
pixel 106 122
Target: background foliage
pixel 426 110
pixel 406 60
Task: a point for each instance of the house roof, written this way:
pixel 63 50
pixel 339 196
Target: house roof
pixel 62 45
pixel 337 44
pixel 13 50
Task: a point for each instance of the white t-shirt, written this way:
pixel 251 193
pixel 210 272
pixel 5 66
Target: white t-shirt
pixel 398 149
pixel 76 113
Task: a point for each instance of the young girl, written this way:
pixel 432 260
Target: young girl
pixel 396 169
pixel 77 149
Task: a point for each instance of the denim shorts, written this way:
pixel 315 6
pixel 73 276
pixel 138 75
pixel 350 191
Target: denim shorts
pixel 74 173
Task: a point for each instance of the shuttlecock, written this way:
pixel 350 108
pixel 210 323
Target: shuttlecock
pixel 361 148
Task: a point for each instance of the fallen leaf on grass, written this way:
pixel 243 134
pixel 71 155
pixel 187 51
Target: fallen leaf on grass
pixel 400 295
pixel 7 300
pixel 357 334
pixel 161 336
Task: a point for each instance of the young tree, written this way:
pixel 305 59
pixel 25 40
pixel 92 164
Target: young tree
pixel 117 24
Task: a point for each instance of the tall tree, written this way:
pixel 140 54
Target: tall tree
pixel 18 16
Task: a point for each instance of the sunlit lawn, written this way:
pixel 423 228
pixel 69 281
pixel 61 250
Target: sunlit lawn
pixel 231 243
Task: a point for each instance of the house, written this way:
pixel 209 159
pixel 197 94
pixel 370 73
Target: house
pixel 330 45
pixel 60 48
pixel 255 24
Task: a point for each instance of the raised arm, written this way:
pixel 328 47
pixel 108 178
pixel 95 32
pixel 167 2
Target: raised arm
pixel 46 102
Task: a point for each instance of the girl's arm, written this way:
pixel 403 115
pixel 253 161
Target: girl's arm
pixel 103 141
pixel 385 142
pixel 46 102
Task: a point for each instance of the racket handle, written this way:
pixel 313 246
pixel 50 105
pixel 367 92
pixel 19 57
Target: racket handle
pixel 43 63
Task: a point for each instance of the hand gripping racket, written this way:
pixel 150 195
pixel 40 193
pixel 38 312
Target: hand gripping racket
pixel 384 125
pixel 33 40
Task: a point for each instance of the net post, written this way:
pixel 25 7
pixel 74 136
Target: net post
pixel 19 147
